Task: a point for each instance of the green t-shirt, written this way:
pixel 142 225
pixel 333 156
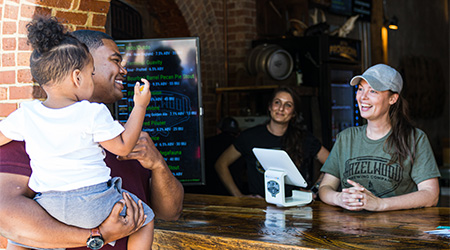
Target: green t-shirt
pixel 358 158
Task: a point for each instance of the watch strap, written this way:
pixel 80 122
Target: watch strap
pixel 95 240
pixel 95 232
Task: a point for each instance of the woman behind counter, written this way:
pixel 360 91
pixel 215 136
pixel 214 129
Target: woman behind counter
pixel 384 165
pixel 283 131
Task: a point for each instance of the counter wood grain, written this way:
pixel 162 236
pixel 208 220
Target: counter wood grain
pixel 225 222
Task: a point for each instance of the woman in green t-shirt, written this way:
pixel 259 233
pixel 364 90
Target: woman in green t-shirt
pixel 384 165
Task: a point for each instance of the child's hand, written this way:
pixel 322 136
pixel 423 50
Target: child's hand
pixel 142 94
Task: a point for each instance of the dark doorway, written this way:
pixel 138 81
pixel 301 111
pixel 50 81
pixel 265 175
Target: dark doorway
pixel 125 21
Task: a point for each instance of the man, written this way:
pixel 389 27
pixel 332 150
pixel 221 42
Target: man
pixel 24 221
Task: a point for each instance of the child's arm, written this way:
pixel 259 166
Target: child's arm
pixel 3 139
pixel 125 142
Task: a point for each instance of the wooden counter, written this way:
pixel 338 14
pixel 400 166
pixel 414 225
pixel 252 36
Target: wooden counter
pixel 224 222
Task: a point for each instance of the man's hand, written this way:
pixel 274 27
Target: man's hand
pixel 146 153
pixel 116 226
pixel 166 197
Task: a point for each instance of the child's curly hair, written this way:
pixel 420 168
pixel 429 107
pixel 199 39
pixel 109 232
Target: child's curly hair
pixel 56 53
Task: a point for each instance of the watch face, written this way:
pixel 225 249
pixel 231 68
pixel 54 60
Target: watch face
pixel 95 242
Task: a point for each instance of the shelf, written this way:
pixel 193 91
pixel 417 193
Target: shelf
pixel 341 107
pixel 341 85
pixel 303 90
pixel 245 88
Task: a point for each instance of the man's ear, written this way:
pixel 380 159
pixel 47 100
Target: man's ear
pixel 76 77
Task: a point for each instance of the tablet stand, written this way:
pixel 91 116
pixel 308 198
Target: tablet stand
pixel 275 192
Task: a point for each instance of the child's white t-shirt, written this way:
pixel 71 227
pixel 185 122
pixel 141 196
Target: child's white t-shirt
pixel 63 143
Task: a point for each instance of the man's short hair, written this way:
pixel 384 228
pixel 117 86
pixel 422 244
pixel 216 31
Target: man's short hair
pixel 92 38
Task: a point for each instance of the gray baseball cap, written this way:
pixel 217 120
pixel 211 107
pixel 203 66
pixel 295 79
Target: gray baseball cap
pixel 381 77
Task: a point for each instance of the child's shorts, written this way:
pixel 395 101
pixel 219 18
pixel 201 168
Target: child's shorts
pixel 86 207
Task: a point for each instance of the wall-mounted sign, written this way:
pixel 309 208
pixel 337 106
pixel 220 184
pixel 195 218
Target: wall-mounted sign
pixel 363 8
pixel 174 118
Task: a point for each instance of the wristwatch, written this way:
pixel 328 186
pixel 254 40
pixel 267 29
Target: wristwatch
pixel 95 241
pixel 315 188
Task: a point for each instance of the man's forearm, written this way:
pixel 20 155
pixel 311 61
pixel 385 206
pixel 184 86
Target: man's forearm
pixel 167 194
pixel 24 221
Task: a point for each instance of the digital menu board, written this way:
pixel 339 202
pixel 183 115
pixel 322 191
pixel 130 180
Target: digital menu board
pixel 174 117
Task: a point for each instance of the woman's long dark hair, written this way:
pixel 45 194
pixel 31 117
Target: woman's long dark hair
pixel 292 138
pixel 399 143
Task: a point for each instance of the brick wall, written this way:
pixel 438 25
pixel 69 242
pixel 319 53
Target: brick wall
pixel 204 19
pixel 15 79
pixel 241 22
pixel 206 22
pixel 218 68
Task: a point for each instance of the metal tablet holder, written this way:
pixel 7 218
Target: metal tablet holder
pixel 274 180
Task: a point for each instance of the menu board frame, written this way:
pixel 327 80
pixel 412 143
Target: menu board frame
pixel 172 66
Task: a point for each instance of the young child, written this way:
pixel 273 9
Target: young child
pixel 65 133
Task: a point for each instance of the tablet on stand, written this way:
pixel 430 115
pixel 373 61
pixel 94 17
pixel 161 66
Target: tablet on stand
pixel 281 170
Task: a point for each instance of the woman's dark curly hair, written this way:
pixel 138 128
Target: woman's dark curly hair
pixel 56 53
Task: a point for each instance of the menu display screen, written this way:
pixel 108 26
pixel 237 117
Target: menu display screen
pixel 174 117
